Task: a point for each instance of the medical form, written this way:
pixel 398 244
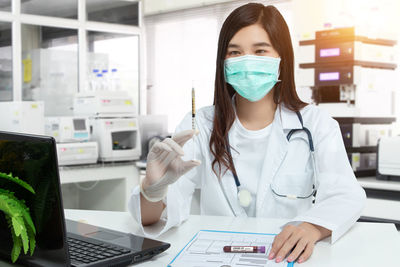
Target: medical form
pixel 206 250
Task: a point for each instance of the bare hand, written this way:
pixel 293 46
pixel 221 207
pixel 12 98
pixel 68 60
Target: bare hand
pixel 298 240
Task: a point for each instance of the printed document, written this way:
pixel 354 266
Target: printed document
pixel 206 250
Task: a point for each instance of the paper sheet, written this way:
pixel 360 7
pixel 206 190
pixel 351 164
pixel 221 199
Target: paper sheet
pixel 206 250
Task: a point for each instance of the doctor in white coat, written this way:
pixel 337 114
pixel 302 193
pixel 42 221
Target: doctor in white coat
pixel 259 150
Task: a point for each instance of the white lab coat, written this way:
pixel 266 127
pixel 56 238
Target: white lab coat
pixel 339 200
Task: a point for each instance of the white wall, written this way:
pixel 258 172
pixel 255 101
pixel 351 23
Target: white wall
pixel 152 7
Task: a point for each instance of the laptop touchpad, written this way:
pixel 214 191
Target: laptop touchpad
pixel 103 235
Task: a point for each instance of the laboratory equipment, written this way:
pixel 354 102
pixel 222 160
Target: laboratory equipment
pixel 114 124
pixel 119 138
pixel 388 159
pixel 77 153
pixel 346 44
pixel 22 117
pixel 360 137
pixel 351 76
pixel 72 135
pixel 68 129
pixel 104 104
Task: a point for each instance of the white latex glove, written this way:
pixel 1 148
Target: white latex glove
pixel 165 166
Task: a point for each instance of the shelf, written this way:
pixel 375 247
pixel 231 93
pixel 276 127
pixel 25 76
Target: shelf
pixel 373 183
pixel 365 120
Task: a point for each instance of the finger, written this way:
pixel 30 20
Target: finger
pixel 307 253
pixel 300 246
pixel 159 147
pixel 182 137
pixel 182 167
pixel 166 158
pixel 289 244
pixel 174 146
pixel 190 164
pixel 279 240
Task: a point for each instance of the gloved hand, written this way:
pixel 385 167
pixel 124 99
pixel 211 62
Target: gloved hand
pixel 165 166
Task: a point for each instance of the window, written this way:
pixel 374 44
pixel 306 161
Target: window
pixel 50 67
pixel 61 9
pixel 113 63
pixel 47 59
pixel 6 82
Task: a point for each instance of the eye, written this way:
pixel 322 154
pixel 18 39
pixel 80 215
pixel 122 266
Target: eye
pixel 261 51
pixel 233 53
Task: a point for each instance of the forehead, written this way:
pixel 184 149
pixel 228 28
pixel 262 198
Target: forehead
pixel 249 35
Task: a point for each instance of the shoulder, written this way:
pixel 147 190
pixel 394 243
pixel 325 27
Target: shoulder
pixel 320 123
pixel 315 116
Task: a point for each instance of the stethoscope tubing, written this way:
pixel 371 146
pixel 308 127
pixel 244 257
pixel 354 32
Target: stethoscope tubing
pixel 289 135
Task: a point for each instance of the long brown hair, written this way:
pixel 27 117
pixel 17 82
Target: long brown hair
pixel 284 91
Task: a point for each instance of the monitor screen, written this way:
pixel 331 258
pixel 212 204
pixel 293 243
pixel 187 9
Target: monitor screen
pixel 34 161
pixel 329 52
pixel 329 76
pixel 79 125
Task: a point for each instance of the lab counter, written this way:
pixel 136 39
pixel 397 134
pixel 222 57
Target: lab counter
pixel 383 200
pixel 366 244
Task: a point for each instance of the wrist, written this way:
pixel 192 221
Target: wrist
pixel 320 232
pixel 152 194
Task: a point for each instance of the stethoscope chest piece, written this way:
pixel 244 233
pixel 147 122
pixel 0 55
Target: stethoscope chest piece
pixel 244 197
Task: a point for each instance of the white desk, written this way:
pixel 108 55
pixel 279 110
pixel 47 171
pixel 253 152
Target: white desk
pixel 366 244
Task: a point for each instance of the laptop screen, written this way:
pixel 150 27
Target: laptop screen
pixel 33 160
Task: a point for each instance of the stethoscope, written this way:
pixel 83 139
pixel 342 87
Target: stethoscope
pixel 244 196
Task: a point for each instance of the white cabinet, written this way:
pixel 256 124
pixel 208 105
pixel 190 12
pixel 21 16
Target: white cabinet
pixel 98 187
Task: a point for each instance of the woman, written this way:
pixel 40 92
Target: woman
pixel 252 155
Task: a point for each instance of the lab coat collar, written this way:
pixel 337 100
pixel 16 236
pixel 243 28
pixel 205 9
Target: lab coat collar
pixel 288 118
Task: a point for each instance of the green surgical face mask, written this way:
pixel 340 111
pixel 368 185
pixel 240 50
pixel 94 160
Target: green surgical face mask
pixel 252 77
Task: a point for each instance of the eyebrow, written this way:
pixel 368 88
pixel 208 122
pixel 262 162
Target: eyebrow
pixel 256 44
pixel 233 46
pixel 262 44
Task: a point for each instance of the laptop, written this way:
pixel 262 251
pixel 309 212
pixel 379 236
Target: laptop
pixel 59 242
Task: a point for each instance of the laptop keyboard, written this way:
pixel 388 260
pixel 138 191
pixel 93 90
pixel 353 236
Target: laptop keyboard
pixel 82 252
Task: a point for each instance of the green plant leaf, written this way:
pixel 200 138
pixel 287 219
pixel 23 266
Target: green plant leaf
pixel 18 227
pixel 17 181
pixel 24 235
pixel 16 250
pixel 23 210
pixel 32 241
pixel 18 218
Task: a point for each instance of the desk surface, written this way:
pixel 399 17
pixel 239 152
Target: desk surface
pixel 366 244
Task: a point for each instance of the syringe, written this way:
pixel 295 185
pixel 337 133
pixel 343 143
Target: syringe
pixel 193 118
pixel 193 109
